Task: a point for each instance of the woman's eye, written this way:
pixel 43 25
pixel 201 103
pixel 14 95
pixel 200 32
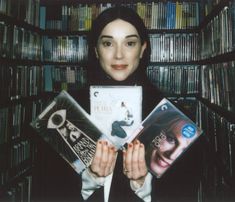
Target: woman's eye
pixel 131 43
pixel 107 43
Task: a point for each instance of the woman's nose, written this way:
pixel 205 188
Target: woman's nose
pixel 119 52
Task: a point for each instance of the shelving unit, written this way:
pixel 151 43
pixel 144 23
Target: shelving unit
pixel 216 103
pixel 39 58
pixel 20 56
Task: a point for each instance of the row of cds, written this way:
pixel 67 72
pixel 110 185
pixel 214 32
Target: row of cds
pixel 174 47
pixel 20 81
pixel 24 81
pixel 176 80
pixel 68 78
pixel 19 43
pixel 65 48
pixel 23 10
pixel 156 15
pixel 218 37
pixel 218 84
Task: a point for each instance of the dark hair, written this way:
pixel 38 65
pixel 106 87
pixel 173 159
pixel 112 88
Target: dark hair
pixel 117 12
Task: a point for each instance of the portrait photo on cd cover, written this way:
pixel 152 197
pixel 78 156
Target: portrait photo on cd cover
pixel 166 133
pixel 69 130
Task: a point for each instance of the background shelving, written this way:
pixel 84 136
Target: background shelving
pixel 192 61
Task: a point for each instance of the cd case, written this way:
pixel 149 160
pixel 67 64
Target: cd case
pixel 69 129
pixel 117 110
pixel 166 133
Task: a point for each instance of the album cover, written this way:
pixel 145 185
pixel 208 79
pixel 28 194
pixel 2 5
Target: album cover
pixel 117 110
pixel 69 129
pixel 166 133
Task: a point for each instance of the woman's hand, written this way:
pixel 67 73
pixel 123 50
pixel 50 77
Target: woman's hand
pixel 104 159
pixel 134 165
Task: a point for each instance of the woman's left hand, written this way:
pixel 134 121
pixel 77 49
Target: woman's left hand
pixel 134 165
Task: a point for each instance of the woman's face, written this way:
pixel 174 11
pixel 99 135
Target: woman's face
pixel 169 147
pixel 119 49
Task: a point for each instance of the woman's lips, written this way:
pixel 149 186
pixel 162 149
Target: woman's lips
pixel 119 67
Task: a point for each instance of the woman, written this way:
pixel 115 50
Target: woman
pixel 119 52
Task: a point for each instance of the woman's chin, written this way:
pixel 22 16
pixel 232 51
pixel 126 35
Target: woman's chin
pixel 119 78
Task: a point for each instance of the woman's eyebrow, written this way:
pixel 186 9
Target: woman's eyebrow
pixel 132 35
pixel 111 37
pixel 106 36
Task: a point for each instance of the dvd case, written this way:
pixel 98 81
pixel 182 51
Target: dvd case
pixel 166 133
pixel 117 109
pixel 69 129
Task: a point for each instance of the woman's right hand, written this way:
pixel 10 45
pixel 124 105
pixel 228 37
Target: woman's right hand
pixel 104 159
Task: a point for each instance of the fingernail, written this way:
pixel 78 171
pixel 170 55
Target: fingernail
pixel 130 145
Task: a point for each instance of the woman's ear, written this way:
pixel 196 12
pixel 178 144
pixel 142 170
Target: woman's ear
pixel 143 47
pixel 96 53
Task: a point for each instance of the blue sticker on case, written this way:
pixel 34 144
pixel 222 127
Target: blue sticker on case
pixel 188 130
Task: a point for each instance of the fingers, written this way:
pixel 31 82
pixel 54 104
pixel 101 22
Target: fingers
pixel 104 159
pixel 128 160
pixel 97 157
pixel 134 165
pixel 135 157
pixel 142 163
pixel 134 161
pixel 111 160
